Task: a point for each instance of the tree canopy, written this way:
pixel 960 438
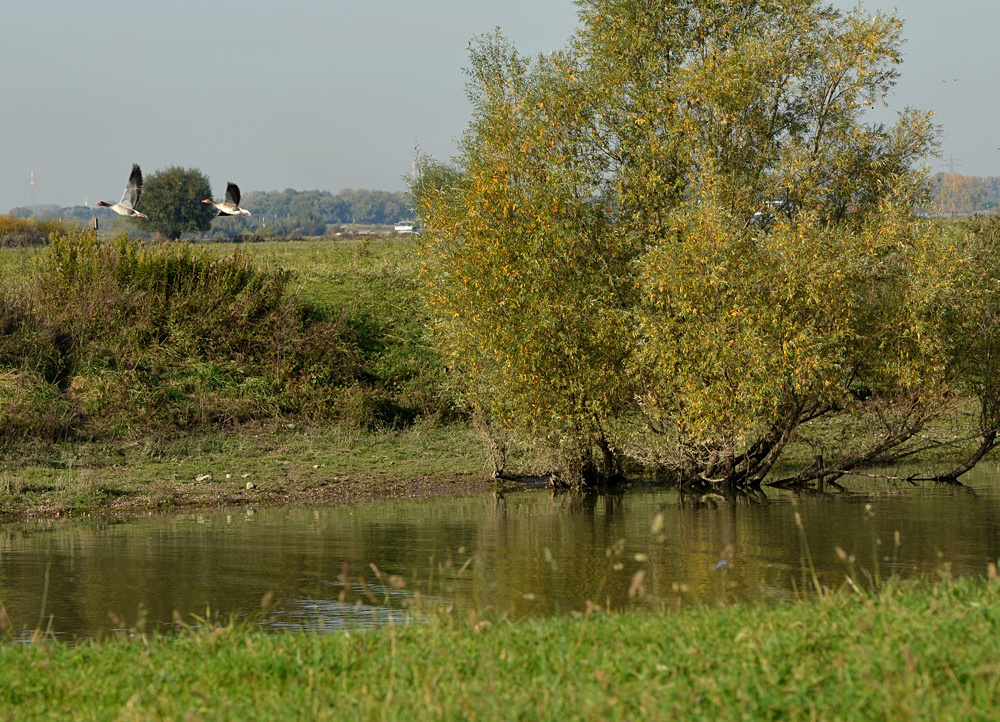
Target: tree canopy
pixel 172 198
pixel 680 241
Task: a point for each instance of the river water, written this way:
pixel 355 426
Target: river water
pixel 521 553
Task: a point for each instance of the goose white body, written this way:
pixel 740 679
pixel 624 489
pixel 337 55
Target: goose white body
pixel 231 205
pixel 130 198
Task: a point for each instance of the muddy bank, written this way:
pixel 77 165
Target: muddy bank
pixel 209 493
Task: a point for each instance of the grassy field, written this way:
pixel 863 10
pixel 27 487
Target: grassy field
pixel 328 391
pixel 913 651
pixel 298 367
pixel 144 338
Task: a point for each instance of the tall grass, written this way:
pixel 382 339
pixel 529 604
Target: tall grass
pixel 373 281
pixel 27 231
pixel 117 339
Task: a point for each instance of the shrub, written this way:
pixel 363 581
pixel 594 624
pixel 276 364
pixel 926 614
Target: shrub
pixel 27 231
pixel 125 338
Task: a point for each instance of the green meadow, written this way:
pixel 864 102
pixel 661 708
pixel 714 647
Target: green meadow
pixel 346 402
pixel 909 651
pixel 130 373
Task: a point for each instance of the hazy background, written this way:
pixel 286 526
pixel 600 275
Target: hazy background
pixel 337 94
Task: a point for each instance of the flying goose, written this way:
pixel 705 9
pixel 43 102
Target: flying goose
pixel 230 206
pixel 130 198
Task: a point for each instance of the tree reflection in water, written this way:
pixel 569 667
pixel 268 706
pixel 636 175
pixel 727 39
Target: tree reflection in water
pixel 515 553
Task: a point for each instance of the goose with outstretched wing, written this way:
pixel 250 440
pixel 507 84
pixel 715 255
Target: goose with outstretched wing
pixel 231 205
pixel 130 198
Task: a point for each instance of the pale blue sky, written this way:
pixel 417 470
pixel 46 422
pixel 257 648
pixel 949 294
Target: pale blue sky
pixel 337 94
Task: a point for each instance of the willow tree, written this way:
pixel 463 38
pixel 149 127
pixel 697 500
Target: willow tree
pixel 679 239
pixel 959 278
pixel 527 277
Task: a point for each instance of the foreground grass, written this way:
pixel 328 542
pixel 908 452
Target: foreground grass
pixel 914 651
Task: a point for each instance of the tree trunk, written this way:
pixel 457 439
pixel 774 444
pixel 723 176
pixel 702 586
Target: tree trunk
pixel 612 464
pixel 989 441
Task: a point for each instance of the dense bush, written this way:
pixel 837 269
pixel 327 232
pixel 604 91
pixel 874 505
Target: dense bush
pixel 172 200
pixel 116 339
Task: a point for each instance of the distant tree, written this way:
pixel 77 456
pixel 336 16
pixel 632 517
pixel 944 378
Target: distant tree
pixel 172 199
pixel 336 210
pixel 956 193
pixel 307 202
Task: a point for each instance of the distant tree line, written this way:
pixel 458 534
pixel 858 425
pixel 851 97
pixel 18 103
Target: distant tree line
pixel 27 231
pixel 956 193
pixel 347 206
pixel 310 213
pixel 80 214
pixel 281 213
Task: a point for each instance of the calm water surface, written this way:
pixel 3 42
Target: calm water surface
pixel 524 553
